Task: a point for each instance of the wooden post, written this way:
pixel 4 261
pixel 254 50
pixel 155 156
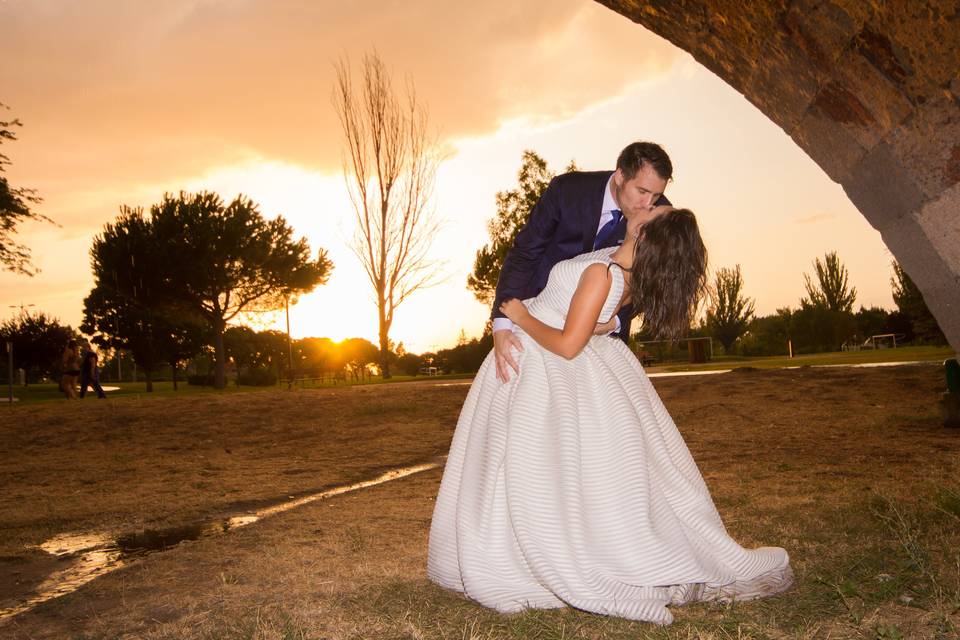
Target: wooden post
pixel 790 347
pixel 289 348
pixel 10 371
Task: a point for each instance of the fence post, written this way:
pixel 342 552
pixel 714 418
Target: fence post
pixel 10 371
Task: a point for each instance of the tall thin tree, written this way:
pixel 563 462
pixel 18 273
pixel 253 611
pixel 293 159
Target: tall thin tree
pixel 390 164
pixel 730 312
pixel 832 290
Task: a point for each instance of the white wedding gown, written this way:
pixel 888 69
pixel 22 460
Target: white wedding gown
pixel 570 485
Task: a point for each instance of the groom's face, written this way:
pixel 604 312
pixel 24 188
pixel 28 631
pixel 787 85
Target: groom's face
pixel 636 196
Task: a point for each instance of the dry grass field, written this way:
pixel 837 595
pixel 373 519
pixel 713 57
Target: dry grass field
pixel 849 469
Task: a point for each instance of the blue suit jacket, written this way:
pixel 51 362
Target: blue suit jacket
pixel 561 225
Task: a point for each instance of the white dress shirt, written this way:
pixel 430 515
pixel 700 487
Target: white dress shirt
pixel 609 204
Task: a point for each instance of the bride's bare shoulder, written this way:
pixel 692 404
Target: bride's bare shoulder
pixel 596 275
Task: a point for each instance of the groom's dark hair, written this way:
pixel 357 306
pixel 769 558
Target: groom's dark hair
pixel 637 154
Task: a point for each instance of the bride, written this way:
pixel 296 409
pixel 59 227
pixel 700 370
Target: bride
pixel 570 485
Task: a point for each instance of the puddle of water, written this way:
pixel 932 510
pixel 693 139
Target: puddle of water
pixel 65 544
pixel 870 365
pixel 676 374
pixel 95 554
pixel 87 567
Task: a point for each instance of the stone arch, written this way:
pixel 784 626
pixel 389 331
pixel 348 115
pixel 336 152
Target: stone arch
pixel 871 92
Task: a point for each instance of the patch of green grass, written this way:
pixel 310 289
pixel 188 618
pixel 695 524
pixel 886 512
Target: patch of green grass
pixel 48 392
pixel 900 354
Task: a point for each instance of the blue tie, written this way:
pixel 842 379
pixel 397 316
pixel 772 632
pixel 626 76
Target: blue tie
pixel 607 230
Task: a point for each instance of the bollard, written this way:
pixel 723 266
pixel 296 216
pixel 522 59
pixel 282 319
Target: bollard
pixel 952 368
pixel 950 400
pixel 10 372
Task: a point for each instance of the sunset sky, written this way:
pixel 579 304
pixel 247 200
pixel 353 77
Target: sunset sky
pixel 124 100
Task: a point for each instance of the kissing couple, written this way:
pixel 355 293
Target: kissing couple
pixel 567 482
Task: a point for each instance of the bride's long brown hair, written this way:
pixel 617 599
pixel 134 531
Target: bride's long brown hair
pixel 669 273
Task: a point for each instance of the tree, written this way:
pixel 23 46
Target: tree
pixel 466 356
pixel 513 209
pixel 390 165
pixel 318 355
pixel 768 335
pixel 128 307
pixel 831 291
pixel 911 304
pixel 240 344
pixel 181 342
pixel 816 329
pixel 357 353
pixel 15 203
pixel 410 363
pixel 222 260
pixel 825 318
pixel 730 312
pixel 872 321
pixel 257 354
pixel 38 342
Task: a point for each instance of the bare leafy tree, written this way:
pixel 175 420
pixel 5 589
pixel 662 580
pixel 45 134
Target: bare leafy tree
pixel 832 290
pixel 390 164
pixel 730 312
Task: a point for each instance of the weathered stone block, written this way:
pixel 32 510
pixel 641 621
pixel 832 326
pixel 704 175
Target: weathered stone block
pixel 886 106
pixel 824 30
pixel 881 189
pixel 829 145
pixel 940 221
pixel 784 82
pixel 924 39
pixel 928 145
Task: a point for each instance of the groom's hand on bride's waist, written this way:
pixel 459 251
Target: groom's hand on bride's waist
pixel 504 340
pixel 606 328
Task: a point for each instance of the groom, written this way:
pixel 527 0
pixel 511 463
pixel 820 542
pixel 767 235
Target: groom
pixel 579 212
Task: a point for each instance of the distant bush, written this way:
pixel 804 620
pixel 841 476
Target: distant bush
pixel 201 380
pixel 257 378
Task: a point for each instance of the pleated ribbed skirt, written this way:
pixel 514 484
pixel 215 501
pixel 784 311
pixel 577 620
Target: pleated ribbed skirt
pixel 571 485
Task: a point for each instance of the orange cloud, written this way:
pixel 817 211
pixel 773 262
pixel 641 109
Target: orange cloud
pixel 146 92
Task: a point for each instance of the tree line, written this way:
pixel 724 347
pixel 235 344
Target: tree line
pixel 169 281
pixel 825 319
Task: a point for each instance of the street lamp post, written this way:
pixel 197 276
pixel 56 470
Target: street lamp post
pixel 22 307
